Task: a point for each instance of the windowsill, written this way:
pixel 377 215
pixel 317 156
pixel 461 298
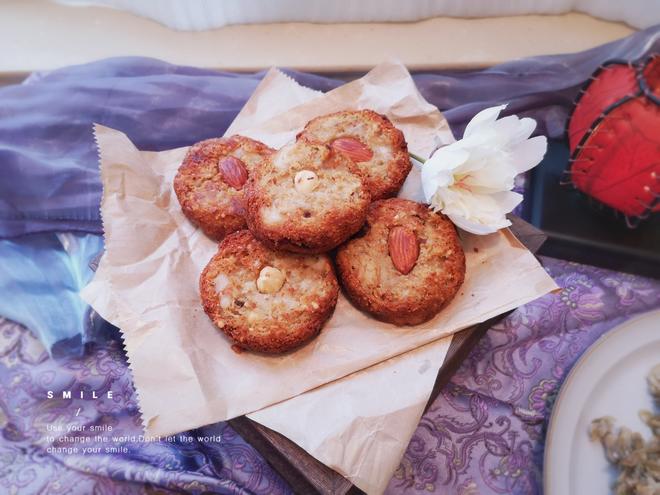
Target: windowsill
pixel 40 35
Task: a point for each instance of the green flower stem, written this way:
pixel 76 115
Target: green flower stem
pixel 418 158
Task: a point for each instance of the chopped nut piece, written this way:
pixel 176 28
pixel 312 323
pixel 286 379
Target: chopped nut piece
pixel 305 181
pixel 270 280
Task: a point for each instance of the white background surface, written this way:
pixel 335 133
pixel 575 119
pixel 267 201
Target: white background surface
pixel 202 14
pixel 40 35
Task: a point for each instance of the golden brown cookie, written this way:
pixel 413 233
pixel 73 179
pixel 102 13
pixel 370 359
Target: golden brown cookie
pixel 211 179
pixel 371 141
pixel 307 198
pixel 264 300
pixel 405 265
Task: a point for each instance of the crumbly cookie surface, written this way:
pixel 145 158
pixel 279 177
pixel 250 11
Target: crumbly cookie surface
pixel 377 147
pixel 307 198
pixel 267 301
pixel 370 275
pixel 211 180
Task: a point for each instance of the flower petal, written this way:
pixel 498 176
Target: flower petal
pixel 511 130
pixel 476 213
pixel 483 119
pixel 438 171
pixel 507 200
pixel 497 175
pixel 529 153
pixel 447 158
pixel 471 180
pixel 477 228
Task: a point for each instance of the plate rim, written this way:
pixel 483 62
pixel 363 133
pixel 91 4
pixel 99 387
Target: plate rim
pixel 570 377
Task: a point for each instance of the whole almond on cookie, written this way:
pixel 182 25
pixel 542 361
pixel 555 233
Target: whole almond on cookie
pixel 403 249
pixel 233 171
pixel 353 148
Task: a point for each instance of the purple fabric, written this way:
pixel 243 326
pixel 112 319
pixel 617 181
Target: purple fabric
pixel 485 432
pixel 226 465
pixel 48 159
pixel 47 152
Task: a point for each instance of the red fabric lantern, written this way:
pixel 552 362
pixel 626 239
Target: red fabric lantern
pixel 614 138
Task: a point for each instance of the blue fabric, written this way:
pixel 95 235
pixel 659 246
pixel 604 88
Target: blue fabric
pixel 49 167
pixel 40 277
pixel 36 447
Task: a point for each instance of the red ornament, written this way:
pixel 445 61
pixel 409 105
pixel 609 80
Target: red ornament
pixel 614 138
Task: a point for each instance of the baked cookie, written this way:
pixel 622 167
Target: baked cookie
pixel 210 181
pixel 406 266
pixel 371 141
pixel 267 301
pixel 307 198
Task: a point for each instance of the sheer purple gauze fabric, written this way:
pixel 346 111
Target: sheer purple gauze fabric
pixel 50 179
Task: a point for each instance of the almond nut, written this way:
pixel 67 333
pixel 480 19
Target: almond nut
pixel 270 280
pixel 305 181
pixel 233 171
pixel 403 248
pixel 353 148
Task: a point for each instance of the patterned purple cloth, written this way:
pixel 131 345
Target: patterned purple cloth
pixel 484 434
pixel 225 464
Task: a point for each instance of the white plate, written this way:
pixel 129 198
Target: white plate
pixel 609 379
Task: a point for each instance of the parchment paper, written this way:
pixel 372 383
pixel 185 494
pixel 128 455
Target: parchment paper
pixel 359 425
pixel 186 374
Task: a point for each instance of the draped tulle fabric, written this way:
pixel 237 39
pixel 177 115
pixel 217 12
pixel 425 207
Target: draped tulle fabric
pixel 50 178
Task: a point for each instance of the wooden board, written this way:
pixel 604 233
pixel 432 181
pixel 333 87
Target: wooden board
pixel 308 476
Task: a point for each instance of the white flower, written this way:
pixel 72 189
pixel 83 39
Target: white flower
pixel 470 180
